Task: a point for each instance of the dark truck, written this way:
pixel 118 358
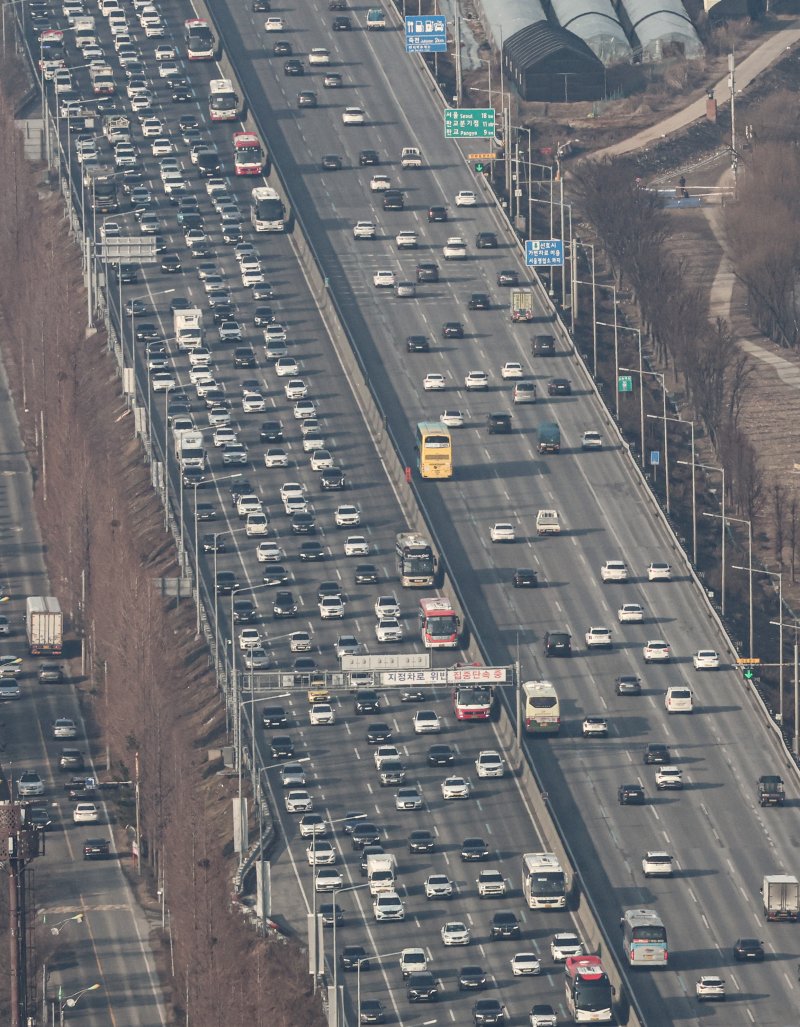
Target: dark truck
pixel 770 790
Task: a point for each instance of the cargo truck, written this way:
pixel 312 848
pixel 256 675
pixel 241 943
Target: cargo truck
pixel 189 450
pixel 44 625
pixel 85 34
pixel 376 19
pixel 188 327
pixel 117 128
pixel 411 157
pixel 781 895
pixel 548 523
pixel 770 790
pixel 549 438
pixel 381 868
pixel 521 305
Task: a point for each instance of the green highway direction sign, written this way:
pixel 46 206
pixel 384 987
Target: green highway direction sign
pixel 469 124
pixel 625 383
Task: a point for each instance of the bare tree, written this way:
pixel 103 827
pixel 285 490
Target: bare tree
pixel 779 521
pixel 792 532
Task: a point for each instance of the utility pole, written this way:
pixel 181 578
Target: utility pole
pixel 457 45
pixel 732 87
pixel 19 844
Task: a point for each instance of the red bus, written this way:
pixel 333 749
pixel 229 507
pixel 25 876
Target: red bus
pixel 473 702
pixel 588 990
pixel 438 624
pixel 248 157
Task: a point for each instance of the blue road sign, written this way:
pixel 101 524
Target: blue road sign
pixel 655 457
pixel 426 34
pixel 544 252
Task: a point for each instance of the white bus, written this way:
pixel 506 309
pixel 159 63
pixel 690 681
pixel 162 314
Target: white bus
pixel 267 211
pixel 223 103
pixel 544 882
pixel 542 710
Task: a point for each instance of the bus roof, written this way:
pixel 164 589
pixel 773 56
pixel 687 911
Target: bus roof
pixel 541 861
pixel 51 36
pixel 245 139
pixel 428 427
pixel 265 192
pixel 637 917
pixel 195 23
pixel 538 688
pixel 220 85
pixel 584 966
pixel 436 605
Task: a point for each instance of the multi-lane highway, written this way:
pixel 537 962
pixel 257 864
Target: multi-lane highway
pixel 721 840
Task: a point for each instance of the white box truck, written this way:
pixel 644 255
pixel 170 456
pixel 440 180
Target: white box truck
pixel 781 895
pixel 190 450
pixel 188 326
pixel 381 869
pixel 44 625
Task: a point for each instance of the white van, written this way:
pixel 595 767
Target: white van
pixel 679 699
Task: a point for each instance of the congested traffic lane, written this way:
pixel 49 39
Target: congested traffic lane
pixel 342 778
pixel 604 511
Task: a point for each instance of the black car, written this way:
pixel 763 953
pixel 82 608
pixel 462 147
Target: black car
pixel 378 733
pixel 372 1011
pixel 282 48
pixel 748 949
pixel 525 577
pixel 393 199
pixel 508 277
pixel 337 5
pixel 557 643
pixel 543 346
pixel 628 684
pixel 366 701
pixel 38 816
pixel 486 241
pixel 311 550
pixel 261 6
pixel 212 543
pixel 128 273
pixel 282 747
pixel 96 848
pixel 182 93
pixel 273 716
pixel 366 574
pixel 240 487
pixel 452 330
pixel 474 850
pixel 488 1012
pixel 332 80
pixel 227 582
pixel 440 755
pixel 271 431
pixel 341 24
pixel 421 841
pixel 332 479
pixel 499 424
pixel 193 476
pixel 368 158
pixel 331 162
pixel 146 330
pixel 284 604
pixel 303 523
pixel 206 512
pixel 275 574
pixel 559 387
pixel 366 852
pixel 427 272
pixel 294 67
pixel 364 833
pixel 418 344
pixel 307 98
pixel 413 695
pixel 422 987
pixel 244 611
pixel 243 356
pixel 504 924
pixel 353 956
pixel 329 588
pixel 471 978
pixel 630 795
pixel 656 753
pixel 437 214
pixel 479 301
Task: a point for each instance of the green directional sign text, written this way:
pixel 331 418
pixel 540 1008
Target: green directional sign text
pixel 469 124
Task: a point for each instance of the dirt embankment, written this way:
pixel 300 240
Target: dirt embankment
pixel 148 689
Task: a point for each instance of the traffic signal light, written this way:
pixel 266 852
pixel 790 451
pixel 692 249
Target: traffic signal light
pixel 480 167
pixel 748 673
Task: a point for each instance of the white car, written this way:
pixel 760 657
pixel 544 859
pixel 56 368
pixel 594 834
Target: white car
pixel 380 183
pixel 383 279
pixel 320 853
pixel 452 418
pixel 679 699
pixel 347 516
pixel 630 613
pixel 511 369
pixel 256 659
pixel 331 608
pixel 413 961
pixel 85 813
pixel 525 964
pixel 249 638
pixel 64 727
pixel 430 383
pixel 669 777
pixel 384 753
pixel 438 886
pixel 491 884
pixel 299 642
pixel 29 784
pixel 388 906
pixel 292 776
pixel 455 248
pixel 321 713
pixel 356 545
pixel 256 525
pixel 659 572
pixel 253 403
pixel 591 440
pixel 386 606
pixel 389 629
pixel 224 436
pixel 710 988
pixel 353 116
pixel 276 457
pixel 657 864
pixel 312 826
pixel 291 488
pixel 502 532
pixel 406 240
pixel 274 24
pixel 466 198
pixel 455 932
pixel 295 388
pixel 364 230
pixel 286 367
pixel 161 146
pixel 656 650
pixel 476 380
pixel 275 333
pixel 407 798
pixel 565 944
pixel 327 879
pixel 321 460
pixel 489 764
pixel 152 127
pixel 298 801
pixel 455 788
pixel 426 722
pixel 319 55
pixel 598 638
pixel 304 408
pixel 165 53
pixel 706 659
pixel 594 727
pixel 614 570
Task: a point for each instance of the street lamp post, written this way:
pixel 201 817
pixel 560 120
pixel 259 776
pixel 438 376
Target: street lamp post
pixel 741 520
pixel 779 575
pixel 72 1000
pixel 167 391
pixel 368 959
pixel 679 420
pixel 721 470
pixel 576 283
pixel 133 301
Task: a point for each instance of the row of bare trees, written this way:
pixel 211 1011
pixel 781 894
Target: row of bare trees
pixel 150 691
